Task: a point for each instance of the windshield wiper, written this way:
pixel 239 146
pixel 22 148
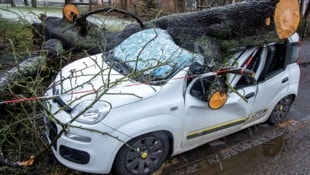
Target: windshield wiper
pixel 116 63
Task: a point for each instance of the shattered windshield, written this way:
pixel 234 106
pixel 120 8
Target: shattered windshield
pixel 151 55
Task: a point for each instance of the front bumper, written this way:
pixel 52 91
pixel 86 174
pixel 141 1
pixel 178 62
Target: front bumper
pixel 71 154
pixel 87 148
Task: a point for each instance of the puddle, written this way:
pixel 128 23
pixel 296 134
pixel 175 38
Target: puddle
pixel 243 161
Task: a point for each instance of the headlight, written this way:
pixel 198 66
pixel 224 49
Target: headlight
pixel 94 114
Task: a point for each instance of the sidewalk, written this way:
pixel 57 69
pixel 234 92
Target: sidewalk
pixel 305 50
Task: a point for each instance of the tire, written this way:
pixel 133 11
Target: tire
pixel 281 110
pixel 154 149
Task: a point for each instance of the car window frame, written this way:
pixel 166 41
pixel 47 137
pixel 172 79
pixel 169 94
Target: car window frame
pixel 262 61
pixel 288 46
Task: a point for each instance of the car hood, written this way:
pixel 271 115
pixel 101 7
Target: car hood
pixel 91 78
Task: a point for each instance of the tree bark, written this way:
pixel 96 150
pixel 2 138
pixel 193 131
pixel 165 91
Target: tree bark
pixel 24 70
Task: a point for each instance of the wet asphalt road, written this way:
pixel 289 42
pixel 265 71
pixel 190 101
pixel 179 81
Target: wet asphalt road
pixel 295 157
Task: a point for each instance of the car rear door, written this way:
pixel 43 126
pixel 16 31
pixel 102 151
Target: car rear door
pixel 273 83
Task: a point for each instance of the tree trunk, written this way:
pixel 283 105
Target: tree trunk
pixel 68 1
pixel 307 11
pixel 179 6
pixel 26 3
pixel 13 3
pixel 246 23
pixel 123 4
pixel 34 3
pixel 305 16
pixel 23 71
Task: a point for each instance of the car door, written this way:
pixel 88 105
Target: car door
pixel 203 124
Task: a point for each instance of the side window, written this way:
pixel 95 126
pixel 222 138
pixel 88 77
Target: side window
pixel 254 64
pixel 200 88
pixel 275 62
pixel 278 61
pixel 295 51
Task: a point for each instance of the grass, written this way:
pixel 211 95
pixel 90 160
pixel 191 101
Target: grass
pixel 15 42
pixel 21 123
pixel 9 29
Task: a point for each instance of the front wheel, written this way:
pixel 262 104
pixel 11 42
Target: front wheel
pixel 142 155
pixel 280 110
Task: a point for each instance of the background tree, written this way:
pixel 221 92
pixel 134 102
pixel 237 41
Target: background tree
pixel 179 6
pixel 123 4
pixel 34 3
pixel 202 3
pixel 13 4
pixel 304 11
pixel 26 2
pixel 149 4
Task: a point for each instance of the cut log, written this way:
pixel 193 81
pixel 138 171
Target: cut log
pixel 70 12
pixel 287 17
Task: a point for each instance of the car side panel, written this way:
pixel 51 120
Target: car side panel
pixel 272 90
pixel 294 76
pixel 156 123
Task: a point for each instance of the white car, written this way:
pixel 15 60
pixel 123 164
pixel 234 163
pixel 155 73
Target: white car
pixel 129 109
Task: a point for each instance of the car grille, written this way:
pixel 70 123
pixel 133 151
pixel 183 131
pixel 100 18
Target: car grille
pixel 52 133
pixel 74 155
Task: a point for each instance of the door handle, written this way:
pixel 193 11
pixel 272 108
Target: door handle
pixel 284 79
pixel 250 95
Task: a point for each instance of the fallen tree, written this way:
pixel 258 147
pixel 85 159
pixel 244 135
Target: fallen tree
pixel 239 24
pixel 212 32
